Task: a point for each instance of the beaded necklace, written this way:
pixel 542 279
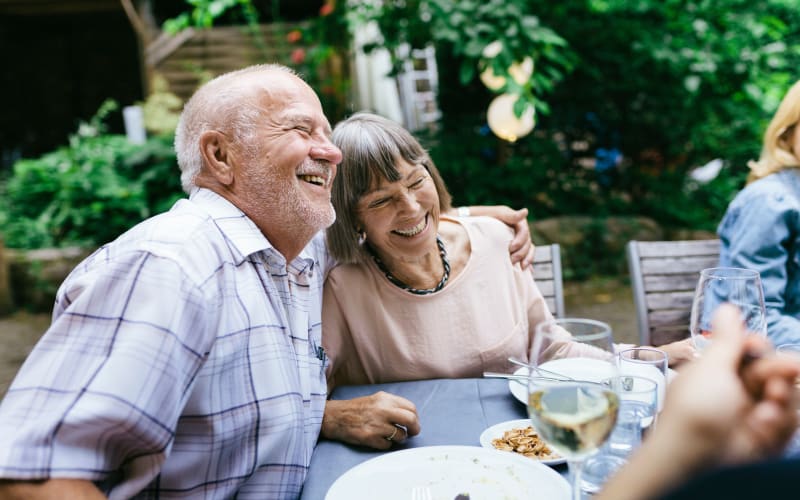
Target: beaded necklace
pixel 417 291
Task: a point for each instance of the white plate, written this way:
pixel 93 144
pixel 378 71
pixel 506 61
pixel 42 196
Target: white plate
pixel 448 471
pixel 496 431
pixel 580 368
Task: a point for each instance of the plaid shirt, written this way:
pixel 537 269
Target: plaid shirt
pixel 181 363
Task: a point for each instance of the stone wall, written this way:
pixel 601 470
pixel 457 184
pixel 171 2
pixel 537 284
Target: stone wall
pixel 35 275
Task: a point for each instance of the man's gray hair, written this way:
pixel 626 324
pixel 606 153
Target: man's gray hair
pixel 226 104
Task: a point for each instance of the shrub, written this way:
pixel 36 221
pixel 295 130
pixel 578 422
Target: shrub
pixel 89 192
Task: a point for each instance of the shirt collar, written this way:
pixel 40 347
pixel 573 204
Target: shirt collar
pixel 241 232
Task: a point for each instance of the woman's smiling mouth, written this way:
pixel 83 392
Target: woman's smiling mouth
pixel 414 230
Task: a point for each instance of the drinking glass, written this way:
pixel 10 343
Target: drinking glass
pixel 740 287
pixel 647 362
pixel 638 397
pixel 576 414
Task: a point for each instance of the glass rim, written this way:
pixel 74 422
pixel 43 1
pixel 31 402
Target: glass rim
pixel 605 328
pixel 643 348
pixel 725 272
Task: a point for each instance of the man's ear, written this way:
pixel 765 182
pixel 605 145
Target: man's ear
pixel 217 156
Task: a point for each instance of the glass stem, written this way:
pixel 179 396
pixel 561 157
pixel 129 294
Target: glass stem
pixel 575 469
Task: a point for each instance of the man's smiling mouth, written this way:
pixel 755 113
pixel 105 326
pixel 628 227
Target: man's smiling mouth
pixel 313 179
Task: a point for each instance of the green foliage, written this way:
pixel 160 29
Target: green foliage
pixel 204 13
pixel 464 28
pixel 668 84
pixel 89 192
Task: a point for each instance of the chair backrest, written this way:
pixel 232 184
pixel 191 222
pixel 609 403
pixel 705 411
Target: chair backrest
pixel 663 278
pixel 547 274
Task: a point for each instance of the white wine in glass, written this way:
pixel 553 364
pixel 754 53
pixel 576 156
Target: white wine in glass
pixel 575 415
pixel 718 285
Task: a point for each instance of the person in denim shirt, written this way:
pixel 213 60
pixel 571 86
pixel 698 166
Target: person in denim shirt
pixel 761 228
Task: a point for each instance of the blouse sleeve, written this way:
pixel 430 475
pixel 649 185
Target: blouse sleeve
pixel 336 337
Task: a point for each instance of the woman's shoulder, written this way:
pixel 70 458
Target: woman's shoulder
pixel 780 185
pixel 347 275
pixel 778 192
pixel 487 227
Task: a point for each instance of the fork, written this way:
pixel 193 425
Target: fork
pixel 421 493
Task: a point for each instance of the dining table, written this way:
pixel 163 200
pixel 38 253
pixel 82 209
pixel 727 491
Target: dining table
pixel 451 412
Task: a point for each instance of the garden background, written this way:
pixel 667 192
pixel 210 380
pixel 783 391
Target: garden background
pixel 631 97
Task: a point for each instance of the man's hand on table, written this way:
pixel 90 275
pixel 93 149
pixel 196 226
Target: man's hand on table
pixel 370 420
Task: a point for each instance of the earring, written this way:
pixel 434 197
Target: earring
pixel 362 236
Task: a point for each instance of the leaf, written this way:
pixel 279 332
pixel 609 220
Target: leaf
pixel 466 72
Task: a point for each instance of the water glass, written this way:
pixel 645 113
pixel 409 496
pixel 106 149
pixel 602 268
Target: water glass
pixel 647 362
pixel 638 399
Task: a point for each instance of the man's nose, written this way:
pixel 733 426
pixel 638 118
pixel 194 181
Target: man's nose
pixel 326 150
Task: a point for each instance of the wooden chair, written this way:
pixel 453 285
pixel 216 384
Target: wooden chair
pixel 663 278
pixel 547 274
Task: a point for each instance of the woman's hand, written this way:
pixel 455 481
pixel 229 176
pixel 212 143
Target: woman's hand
pixel 679 352
pixel 370 420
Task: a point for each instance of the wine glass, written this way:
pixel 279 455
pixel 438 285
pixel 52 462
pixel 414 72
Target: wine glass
pixel 574 415
pixel 717 285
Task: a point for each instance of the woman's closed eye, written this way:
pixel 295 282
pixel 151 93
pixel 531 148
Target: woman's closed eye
pixel 380 202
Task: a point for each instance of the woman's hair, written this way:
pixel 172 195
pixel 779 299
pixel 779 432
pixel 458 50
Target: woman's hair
pixel 776 153
pixel 227 104
pixel 371 148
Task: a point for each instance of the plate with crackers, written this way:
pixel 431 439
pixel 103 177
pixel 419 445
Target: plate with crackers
pixel 518 436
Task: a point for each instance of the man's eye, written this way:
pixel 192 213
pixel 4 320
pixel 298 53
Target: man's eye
pixel 303 128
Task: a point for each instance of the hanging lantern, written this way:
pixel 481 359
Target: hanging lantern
pixel 492 81
pixel 504 123
pixel 521 72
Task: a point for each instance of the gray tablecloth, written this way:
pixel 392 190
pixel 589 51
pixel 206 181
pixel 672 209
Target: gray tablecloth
pixel 451 412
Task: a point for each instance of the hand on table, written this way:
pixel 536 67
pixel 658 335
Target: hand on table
pixel 370 420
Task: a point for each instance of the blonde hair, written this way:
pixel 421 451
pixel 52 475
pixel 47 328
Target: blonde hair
pixel 776 152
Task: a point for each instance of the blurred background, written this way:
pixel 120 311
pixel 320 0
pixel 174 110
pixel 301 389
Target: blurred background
pixel 610 120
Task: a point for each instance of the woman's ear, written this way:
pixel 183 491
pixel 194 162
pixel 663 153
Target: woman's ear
pixel 217 156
